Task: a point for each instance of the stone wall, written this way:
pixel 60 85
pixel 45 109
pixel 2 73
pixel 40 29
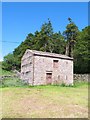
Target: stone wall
pixel 27 68
pixel 81 77
pixel 36 67
pixel 44 65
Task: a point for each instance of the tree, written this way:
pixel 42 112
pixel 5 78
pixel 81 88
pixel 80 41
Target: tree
pixel 70 35
pixel 81 51
pixel 58 43
pixel 27 44
pixel 10 62
pixel 44 37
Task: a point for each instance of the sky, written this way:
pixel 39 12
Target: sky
pixel 21 18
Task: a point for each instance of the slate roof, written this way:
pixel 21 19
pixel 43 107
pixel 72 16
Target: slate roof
pixel 48 54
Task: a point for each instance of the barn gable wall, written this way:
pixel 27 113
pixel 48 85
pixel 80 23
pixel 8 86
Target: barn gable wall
pixel 27 67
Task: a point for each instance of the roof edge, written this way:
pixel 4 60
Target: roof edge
pixel 69 58
pixel 48 54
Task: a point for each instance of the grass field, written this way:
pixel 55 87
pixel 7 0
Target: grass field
pixel 45 102
pixel 22 101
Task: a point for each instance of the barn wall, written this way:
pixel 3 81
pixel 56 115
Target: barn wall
pixel 64 73
pixel 27 68
pixel 43 65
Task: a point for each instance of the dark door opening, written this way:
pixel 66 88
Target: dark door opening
pixel 48 78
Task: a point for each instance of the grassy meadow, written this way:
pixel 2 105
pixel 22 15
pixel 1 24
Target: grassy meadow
pixel 51 101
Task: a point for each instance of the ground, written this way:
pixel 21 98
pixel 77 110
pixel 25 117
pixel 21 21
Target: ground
pixel 22 101
pixel 45 102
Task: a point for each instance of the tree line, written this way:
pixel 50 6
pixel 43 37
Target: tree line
pixel 72 42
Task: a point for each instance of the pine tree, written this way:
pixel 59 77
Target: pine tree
pixel 70 35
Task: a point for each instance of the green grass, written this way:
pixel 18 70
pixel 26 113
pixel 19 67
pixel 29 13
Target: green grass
pixel 51 101
pixel 11 81
pixel 45 102
pixel 4 72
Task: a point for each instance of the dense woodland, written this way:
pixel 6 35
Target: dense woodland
pixel 72 42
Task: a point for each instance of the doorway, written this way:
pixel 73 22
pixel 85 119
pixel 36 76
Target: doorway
pixel 48 78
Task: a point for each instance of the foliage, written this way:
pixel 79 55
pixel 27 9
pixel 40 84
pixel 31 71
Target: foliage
pixel 81 53
pixel 70 35
pixel 10 62
pixel 58 43
pixel 12 82
pixel 5 72
pixel 73 43
pixel 0 68
pixel 43 40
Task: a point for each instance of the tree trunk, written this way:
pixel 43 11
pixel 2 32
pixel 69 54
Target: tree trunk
pixel 67 50
pixel 71 52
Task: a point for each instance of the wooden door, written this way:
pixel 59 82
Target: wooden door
pixel 48 78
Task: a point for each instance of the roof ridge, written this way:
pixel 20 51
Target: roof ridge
pixel 48 53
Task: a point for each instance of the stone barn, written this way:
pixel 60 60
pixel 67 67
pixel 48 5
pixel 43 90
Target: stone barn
pixel 41 68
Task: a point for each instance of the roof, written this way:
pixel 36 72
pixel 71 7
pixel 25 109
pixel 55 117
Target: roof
pixel 48 54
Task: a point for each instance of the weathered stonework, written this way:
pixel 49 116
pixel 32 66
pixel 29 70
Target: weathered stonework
pixel 81 77
pixel 37 68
